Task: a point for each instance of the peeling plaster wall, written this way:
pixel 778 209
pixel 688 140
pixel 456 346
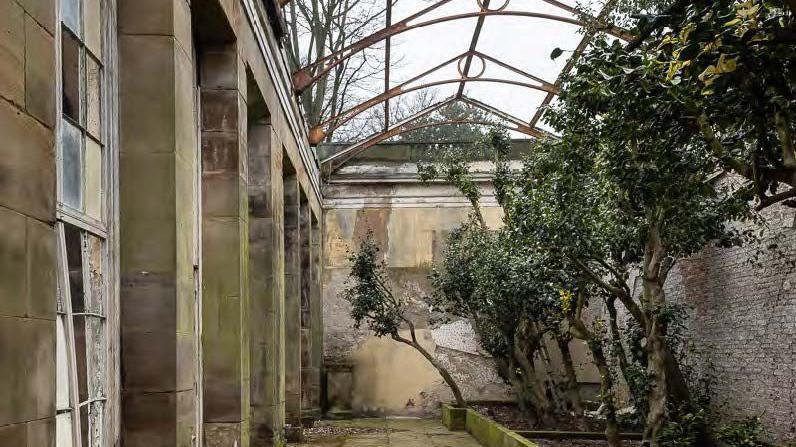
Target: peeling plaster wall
pixel 387 377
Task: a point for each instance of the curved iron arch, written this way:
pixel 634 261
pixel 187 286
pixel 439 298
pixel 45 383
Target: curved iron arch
pixel 318 132
pixel 303 78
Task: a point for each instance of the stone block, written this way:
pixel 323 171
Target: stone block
pixel 182 25
pixel 148 225
pixel 220 152
pixel 147 17
pixel 186 361
pixel 150 361
pixel 150 99
pixel 12 52
pixel 27 347
pixel 220 195
pixel 40 433
pixel 184 107
pixel 43 11
pixel 186 418
pixel 14 435
pixel 219 68
pixel 220 434
pixel 149 419
pixel 27 167
pixel 13 263
pixel 221 252
pixel 39 73
pixel 148 302
pixel 220 110
pixel 222 363
pixel 42 270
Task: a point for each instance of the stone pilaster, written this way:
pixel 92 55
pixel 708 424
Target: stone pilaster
pixel 305 225
pixel 316 318
pixel 266 416
pixel 225 247
pixel 158 202
pixel 292 315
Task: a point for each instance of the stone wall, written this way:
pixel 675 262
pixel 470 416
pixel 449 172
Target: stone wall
pixel 742 320
pixel 27 214
pixel 367 375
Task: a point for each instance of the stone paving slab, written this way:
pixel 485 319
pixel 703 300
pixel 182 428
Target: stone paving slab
pixel 392 432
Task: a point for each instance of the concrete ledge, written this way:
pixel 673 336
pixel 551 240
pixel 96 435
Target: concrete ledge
pixel 491 434
pixel 455 419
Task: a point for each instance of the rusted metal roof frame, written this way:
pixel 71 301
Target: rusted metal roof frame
pixel 318 132
pixel 309 74
pixel 334 162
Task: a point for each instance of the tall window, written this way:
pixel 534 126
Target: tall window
pixel 83 228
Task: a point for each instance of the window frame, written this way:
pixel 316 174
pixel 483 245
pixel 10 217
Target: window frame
pixel 104 227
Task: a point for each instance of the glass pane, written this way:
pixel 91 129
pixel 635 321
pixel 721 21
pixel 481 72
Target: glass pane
pixel 95 346
pixel 63 430
pixel 71 68
pixel 72 164
pixel 95 275
pixel 81 357
pixel 74 257
pixel 70 13
pixel 93 169
pixel 93 98
pixel 61 366
pixel 92 26
pixel 96 417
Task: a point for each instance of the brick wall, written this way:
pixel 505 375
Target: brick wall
pixel 742 319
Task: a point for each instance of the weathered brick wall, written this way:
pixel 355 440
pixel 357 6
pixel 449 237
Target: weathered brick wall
pixel 742 320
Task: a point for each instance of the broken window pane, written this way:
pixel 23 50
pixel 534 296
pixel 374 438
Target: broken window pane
pixel 93 169
pixel 81 357
pixel 74 259
pixel 71 71
pixel 93 97
pixel 95 275
pixel 72 165
pixel 70 14
pixel 95 344
pixel 61 366
pixel 92 26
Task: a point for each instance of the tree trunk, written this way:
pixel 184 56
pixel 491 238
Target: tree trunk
pixel 579 330
pixel 606 394
pixel 572 388
pixel 533 389
pixel 653 299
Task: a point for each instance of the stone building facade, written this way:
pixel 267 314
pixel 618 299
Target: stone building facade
pixel 170 258
pixel 161 227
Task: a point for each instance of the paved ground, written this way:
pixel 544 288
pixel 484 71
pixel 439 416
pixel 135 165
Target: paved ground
pixel 391 432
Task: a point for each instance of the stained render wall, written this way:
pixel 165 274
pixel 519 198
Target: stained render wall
pixel 367 375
